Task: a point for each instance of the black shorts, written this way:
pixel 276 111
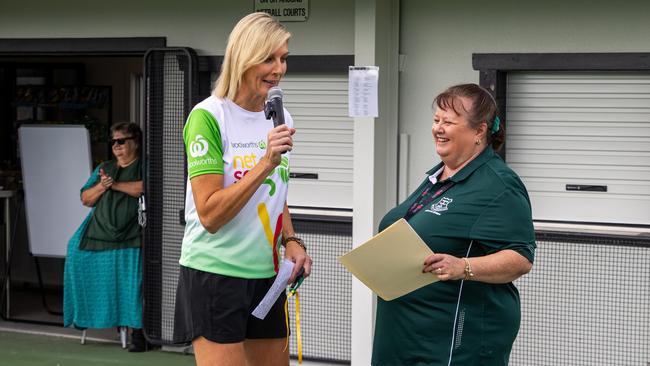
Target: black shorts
pixel 219 308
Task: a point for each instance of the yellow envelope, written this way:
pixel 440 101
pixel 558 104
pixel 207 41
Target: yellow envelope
pixel 391 262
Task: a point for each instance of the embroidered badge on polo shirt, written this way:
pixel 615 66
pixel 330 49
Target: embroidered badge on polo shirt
pixel 440 206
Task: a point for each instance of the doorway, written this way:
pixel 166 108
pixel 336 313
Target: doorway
pixel 92 90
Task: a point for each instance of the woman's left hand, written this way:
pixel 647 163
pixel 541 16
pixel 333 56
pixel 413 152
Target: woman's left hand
pixel 445 266
pixel 295 253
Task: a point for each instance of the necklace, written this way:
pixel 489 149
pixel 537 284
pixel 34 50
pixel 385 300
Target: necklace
pixel 124 165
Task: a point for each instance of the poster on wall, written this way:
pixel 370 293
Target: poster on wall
pixel 363 83
pixel 285 10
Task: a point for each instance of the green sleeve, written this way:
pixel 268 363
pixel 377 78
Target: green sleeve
pixel 507 223
pixel 203 145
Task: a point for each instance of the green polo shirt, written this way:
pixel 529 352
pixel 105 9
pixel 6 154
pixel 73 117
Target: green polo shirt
pixel 488 206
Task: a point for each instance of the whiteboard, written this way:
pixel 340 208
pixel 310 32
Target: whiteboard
pixel 56 163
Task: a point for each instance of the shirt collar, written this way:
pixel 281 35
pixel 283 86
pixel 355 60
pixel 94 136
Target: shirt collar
pixel 468 169
pixel 433 178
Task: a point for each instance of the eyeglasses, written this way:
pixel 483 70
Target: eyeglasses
pixel 120 141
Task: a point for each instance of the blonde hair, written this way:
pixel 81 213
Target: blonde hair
pixel 253 39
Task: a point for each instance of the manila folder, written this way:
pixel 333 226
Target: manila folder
pixel 391 262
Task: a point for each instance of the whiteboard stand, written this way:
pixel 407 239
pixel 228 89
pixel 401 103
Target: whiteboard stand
pixel 40 285
pixel 6 290
pixel 55 161
pixel 6 197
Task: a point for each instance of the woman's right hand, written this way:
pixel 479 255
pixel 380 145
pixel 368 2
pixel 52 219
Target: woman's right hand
pixel 105 180
pixel 89 197
pixel 279 140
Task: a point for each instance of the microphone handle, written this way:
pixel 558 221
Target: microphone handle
pixel 278 116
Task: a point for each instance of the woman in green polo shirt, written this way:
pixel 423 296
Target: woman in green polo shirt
pixel 474 213
pixel 103 272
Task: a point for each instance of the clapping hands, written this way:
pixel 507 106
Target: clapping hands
pixel 106 181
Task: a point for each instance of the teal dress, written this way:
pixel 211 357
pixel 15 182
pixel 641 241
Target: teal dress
pixel 102 288
pixel 486 209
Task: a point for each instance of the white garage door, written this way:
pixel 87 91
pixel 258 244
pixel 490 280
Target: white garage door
pixel 321 163
pixel 581 144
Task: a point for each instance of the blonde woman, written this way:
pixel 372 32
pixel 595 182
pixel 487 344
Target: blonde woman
pixel 236 211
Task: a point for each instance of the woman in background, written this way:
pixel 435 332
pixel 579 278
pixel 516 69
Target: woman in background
pixel 103 269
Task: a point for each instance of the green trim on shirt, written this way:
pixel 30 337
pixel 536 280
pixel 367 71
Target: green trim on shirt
pixel 203 145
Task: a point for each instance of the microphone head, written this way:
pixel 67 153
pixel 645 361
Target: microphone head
pixel 274 92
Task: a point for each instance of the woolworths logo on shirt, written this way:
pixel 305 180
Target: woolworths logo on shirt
pixel 198 147
pixel 249 145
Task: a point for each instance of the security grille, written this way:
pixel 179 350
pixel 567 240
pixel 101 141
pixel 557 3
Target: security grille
pixel 586 302
pixel 326 296
pixel 170 88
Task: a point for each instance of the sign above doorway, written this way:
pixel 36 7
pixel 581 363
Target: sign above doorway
pixel 285 10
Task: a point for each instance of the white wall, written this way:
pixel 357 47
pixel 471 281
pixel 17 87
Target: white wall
pixel 201 24
pixel 439 37
pixel 375 140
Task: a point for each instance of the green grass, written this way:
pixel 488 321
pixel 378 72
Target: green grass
pixel 18 349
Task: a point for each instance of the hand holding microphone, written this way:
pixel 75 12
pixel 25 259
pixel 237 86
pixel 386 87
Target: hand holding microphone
pixel 280 137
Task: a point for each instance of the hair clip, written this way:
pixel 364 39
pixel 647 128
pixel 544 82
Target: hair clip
pixel 495 125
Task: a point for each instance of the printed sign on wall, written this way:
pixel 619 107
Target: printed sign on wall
pixel 285 10
pixel 363 85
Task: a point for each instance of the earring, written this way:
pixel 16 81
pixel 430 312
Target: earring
pixel 478 142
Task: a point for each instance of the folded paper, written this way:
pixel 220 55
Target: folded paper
pixel 391 262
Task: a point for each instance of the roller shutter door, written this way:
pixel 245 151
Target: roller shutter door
pixel 321 162
pixel 571 136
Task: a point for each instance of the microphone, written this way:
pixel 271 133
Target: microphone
pixel 273 106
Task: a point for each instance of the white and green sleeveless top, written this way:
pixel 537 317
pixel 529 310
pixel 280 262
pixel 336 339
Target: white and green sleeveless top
pixel 223 138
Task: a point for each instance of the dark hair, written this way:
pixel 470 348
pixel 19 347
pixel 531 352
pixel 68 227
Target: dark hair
pixel 483 109
pixel 130 129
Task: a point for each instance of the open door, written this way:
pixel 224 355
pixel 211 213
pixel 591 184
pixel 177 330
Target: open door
pixel 171 87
